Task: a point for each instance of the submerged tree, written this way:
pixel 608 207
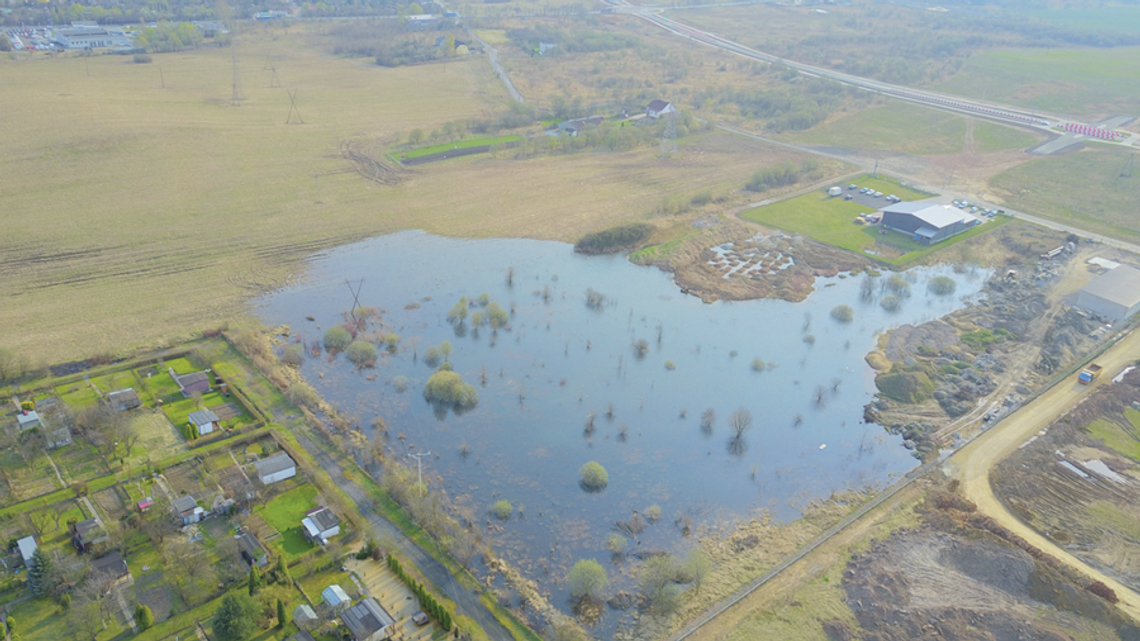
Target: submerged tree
pixel 587 579
pixel 447 388
pixel 593 476
pixel 458 312
pixel 942 285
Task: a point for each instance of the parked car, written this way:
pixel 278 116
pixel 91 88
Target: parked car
pixel 847 197
pixel 419 618
pixel 852 186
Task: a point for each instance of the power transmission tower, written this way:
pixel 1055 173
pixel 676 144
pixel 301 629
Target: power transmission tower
pixel 420 468
pixel 293 108
pixel 358 323
pixel 669 137
pixel 234 100
pixel 1127 171
pixel 273 81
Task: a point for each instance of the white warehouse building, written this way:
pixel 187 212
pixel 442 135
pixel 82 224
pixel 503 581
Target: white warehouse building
pixel 1115 294
pixel 91 38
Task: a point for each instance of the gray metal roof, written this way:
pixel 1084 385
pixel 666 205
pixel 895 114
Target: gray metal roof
pixel 201 417
pixel 936 216
pixel 274 464
pixel 112 564
pixel 184 504
pixel 1120 286
pixel 303 635
pixel 323 518
pixel 366 618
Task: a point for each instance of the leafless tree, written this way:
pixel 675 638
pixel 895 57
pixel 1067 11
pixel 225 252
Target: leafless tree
pixel 708 417
pixel 740 421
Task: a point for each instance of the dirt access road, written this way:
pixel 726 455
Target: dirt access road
pixel 972 464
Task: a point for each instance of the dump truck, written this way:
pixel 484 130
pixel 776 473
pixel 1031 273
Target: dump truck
pixel 1089 374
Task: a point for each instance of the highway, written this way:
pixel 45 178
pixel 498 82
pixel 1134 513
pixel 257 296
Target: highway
pixel 1054 124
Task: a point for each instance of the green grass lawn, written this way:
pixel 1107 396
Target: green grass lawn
pixel 79 462
pixel 460 144
pixel 284 513
pixel 318 581
pixel 831 220
pixel 1114 437
pixel 115 381
pixel 1118 18
pixel 180 366
pixel 77 395
pixel 160 385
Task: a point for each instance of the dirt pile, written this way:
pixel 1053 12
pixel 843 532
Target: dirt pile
pixel 1071 487
pixel 960 576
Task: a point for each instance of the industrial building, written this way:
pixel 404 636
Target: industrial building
pixel 927 223
pixel 91 38
pixel 1115 293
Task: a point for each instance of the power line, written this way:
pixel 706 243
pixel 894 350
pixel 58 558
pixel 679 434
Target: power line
pixel 669 137
pixel 235 98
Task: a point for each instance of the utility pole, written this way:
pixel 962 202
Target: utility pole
pixel 420 468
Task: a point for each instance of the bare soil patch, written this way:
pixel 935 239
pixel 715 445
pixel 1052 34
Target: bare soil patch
pixel 1077 490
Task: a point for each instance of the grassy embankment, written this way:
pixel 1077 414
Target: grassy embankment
pixel 831 220
pixel 150 212
pixel 420 152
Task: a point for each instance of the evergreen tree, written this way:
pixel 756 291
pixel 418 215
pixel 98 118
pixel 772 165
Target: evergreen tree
pixel 280 613
pixel 144 618
pixel 254 580
pixel 235 618
pixel 41 573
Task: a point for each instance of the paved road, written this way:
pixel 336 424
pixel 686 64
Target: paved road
pixel 972 463
pixel 493 57
pixel 957 104
pixel 465 600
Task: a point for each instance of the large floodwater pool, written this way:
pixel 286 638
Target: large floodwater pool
pixel 560 360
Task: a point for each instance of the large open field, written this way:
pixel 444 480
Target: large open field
pixel 137 213
pixel 1085 189
pixel 1091 83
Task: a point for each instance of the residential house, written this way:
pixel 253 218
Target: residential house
pixel 204 420
pixel 88 533
pixel 187 510
pixel 303 635
pixel 320 525
pixel 578 125
pixel 145 504
pixel 275 468
pixel 336 598
pixel 124 399
pixel 112 569
pixel 192 383
pixel 251 551
pixel 305 617
pixel 55 424
pixel 28 419
pixel 659 108
pixel 27 546
pixel 368 621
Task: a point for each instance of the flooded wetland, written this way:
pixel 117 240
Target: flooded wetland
pixel 601 360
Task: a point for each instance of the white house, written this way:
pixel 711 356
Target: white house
pixel 204 420
pixel 320 525
pixel 336 597
pixel 275 468
pixel 28 420
pixel 27 547
pixel 659 108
